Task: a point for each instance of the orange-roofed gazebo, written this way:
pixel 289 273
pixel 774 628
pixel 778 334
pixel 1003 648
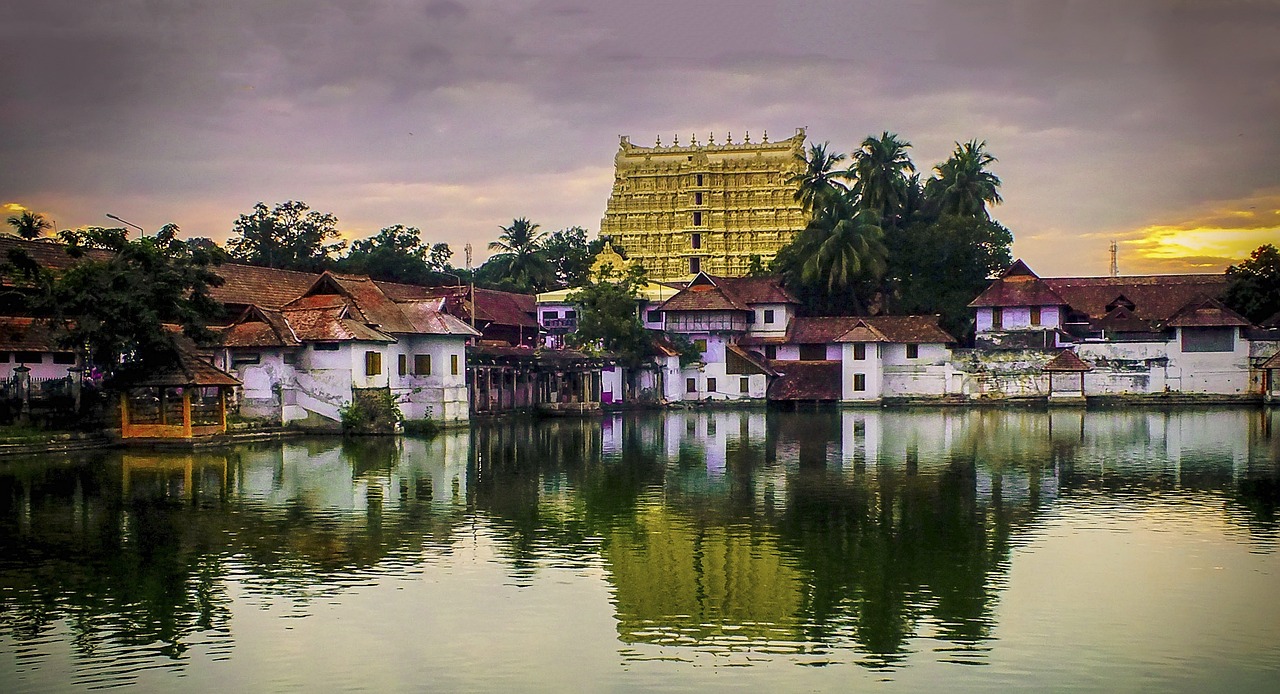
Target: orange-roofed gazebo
pixel 183 400
pixel 1067 362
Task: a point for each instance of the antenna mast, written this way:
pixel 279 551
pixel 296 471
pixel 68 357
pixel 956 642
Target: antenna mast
pixel 1115 267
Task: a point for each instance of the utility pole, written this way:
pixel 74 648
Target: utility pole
pixel 1115 267
pixel 472 276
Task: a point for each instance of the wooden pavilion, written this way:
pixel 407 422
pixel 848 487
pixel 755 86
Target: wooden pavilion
pixel 183 400
pixel 1067 362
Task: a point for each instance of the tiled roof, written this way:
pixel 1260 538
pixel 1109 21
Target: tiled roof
pixel 330 325
pixel 1272 362
pixel 708 293
pixel 19 334
pixel 806 380
pixel 751 359
pixel 1067 361
pixel 1205 313
pixel 899 329
pixel 427 317
pixel 1018 292
pixel 261 286
pixel 819 329
pixel 258 327
pixel 492 306
pixel 190 369
pixel 1154 297
pixel 373 305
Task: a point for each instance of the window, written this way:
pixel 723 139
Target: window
pixel 698 180
pixel 690 385
pixel 1035 315
pixel 695 240
pixel 859 351
pixel 372 363
pixel 697 219
pixel 701 345
pixel 550 315
pixel 768 315
pixel 655 316
pixel 402 364
pixel 326 347
pixel 697 198
pixel 859 382
pixel 913 351
pixel 242 358
pixel 770 351
pixel 422 364
pixel 64 358
pixel 711 385
pixel 453 364
pixel 744 385
pixel 1206 339
pixel 4 357
pixel 997 318
pixel 28 357
pixel 290 357
pixel 695 266
pixel 813 352
pixel 570 315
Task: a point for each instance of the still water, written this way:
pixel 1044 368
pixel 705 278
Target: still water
pixel 957 550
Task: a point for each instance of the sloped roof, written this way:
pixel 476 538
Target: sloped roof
pixel 331 325
pixel 492 306
pixel 1018 292
pixel 1272 362
pixel 710 293
pixel 752 359
pixel 819 329
pixel 368 302
pixel 1205 313
pixel 806 380
pixel 428 318
pixel 1154 297
pixel 259 327
pixel 189 369
pixel 1272 322
pixel 19 334
pixel 262 286
pixel 1067 361
pixel 899 329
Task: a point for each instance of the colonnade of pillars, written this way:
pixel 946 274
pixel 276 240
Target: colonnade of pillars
pixel 499 388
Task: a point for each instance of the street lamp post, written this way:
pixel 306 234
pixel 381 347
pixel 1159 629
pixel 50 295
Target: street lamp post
pixel 122 221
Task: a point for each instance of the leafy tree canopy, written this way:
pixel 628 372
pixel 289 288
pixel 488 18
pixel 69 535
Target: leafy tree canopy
pixel 116 308
pixel 290 236
pixel 571 255
pixel 520 264
pixel 835 264
pixel 608 317
pixel 397 254
pixel 1253 286
pixel 29 225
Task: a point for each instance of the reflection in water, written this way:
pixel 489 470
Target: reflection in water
pixel 867 536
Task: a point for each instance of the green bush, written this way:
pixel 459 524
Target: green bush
pixel 373 411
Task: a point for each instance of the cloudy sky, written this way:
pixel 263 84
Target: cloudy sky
pixel 1155 123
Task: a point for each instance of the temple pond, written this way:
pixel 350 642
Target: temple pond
pixel 939 549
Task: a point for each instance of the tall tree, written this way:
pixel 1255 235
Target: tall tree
pixel 116 308
pixel 837 261
pixel 1253 286
pixel 880 170
pixel 290 236
pixel 938 267
pixel 396 254
pixel 571 254
pixel 608 317
pixel 520 264
pixel 29 225
pixel 962 186
pixel 817 178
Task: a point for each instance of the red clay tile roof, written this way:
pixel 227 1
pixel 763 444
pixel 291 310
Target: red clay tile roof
pixel 708 293
pixel 751 359
pixel 1154 297
pixel 261 286
pixel 258 327
pixel 1067 361
pixel 190 369
pixel 427 317
pixel 492 306
pixel 806 380
pixel 1205 313
pixel 899 329
pixel 19 334
pixel 1272 362
pixel 819 329
pixel 1018 292
pixel 331 325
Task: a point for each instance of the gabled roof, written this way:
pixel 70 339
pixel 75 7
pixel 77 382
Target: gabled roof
pixel 1153 297
pixel 809 330
pixel 1205 313
pixel 709 293
pixel 1018 286
pixel 368 303
pixel 1272 362
pixel 806 380
pixel 188 369
pixel 1122 320
pixel 897 329
pixel 331 325
pixel 492 306
pixel 261 286
pixel 1067 361
pixel 259 327
pixel 751 359
pixel 428 318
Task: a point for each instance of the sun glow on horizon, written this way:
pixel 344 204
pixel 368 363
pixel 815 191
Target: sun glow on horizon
pixel 1219 235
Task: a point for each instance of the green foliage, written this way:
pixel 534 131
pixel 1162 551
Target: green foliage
pixel 816 180
pixel 1253 286
pixel 520 264
pixel 571 255
pixel 938 267
pixel 116 308
pixel 29 225
pixel 421 427
pixel 688 351
pixel 290 236
pixel 756 266
pixel 608 319
pixel 373 411
pixel 961 185
pixel 397 254
pixel 836 261
pixel 880 173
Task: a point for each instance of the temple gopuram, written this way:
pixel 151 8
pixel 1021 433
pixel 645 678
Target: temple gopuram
pixel 682 209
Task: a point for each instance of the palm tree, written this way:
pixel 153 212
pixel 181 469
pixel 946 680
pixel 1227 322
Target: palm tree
pixel 816 179
pixel 880 169
pixel 961 185
pixel 520 253
pixel 29 225
pixel 842 247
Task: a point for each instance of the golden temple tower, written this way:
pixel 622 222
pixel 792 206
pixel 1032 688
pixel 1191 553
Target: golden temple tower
pixel 681 209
